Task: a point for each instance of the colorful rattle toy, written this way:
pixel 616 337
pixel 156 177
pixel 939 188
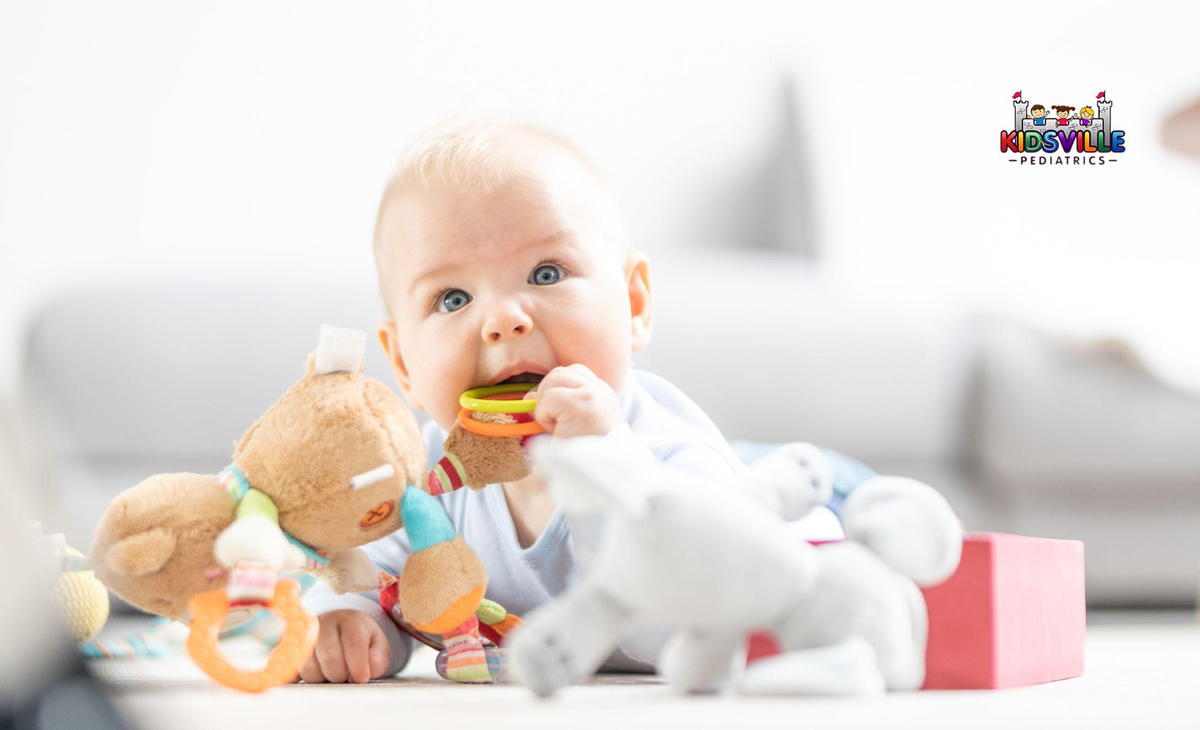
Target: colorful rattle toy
pixel 329 467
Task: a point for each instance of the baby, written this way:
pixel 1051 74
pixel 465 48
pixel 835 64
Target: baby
pixel 501 258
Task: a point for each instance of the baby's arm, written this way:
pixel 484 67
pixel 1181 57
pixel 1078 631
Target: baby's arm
pixel 357 641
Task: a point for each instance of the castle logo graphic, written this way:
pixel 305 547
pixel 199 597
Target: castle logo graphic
pixel 1062 134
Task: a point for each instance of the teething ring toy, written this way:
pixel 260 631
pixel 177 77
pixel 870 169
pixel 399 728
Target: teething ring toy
pixel 501 398
pixel 209 610
pixel 498 430
pixel 476 399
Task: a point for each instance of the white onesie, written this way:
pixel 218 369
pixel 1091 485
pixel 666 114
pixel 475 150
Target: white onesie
pixel 657 417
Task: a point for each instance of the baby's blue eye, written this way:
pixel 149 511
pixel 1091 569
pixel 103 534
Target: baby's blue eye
pixel 453 300
pixel 546 274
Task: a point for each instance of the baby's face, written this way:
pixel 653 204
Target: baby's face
pixel 507 284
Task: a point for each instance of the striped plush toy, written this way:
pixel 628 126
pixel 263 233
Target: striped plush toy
pixel 466 636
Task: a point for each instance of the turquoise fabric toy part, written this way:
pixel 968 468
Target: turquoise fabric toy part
pixel 425 519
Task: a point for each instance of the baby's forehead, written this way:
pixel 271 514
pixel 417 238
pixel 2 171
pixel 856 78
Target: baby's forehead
pixel 532 198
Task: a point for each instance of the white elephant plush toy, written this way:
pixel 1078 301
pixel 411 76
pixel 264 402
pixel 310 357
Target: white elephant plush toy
pixel 718 561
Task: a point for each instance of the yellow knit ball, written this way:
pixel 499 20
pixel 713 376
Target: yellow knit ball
pixel 83 600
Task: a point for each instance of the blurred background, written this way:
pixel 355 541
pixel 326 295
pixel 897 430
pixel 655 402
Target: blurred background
pixel 841 254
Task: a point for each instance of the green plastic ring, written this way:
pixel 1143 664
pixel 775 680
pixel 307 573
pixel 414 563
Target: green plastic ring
pixel 475 399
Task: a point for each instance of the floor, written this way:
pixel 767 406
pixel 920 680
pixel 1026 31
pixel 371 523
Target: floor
pixel 1143 671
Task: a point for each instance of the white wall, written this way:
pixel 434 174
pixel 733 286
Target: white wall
pixel 258 134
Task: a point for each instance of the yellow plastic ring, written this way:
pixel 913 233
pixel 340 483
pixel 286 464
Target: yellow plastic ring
pixel 476 399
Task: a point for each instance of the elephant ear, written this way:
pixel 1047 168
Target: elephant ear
pixel 141 554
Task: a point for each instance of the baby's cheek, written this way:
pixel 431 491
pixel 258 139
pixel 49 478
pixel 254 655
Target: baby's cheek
pixel 442 379
pixel 603 344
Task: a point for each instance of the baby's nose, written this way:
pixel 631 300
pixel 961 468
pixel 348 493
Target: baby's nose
pixel 498 335
pixel 506 325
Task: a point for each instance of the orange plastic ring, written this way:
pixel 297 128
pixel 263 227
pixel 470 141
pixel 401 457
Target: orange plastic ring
pixel 498 430
pixel 295 646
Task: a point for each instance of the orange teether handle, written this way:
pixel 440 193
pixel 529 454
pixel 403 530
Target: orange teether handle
pixel 497 430
pixel 285 660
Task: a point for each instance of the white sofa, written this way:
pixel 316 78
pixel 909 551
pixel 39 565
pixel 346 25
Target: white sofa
pixel 134 375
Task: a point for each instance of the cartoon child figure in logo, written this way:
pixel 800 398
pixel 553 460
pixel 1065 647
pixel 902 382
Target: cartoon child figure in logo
pixel 1064 114
pixel 1085 116
pixel 1038 112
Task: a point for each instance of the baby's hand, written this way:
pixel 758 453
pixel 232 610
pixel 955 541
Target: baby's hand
pixel 350 647
pixel 574 401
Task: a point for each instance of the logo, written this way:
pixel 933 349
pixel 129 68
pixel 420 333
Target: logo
pixel 1061 134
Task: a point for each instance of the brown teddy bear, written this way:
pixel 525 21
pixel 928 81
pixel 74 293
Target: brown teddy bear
pixel 330 466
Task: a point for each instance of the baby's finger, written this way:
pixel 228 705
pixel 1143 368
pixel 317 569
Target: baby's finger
pixel 548 410
pixel 561 377
pixel 311 671
pixel 556 405
pixel 329 654
pixel 356 638
pixel 380 654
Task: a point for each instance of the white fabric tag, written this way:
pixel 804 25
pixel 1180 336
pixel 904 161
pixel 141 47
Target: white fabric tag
pixel 340 349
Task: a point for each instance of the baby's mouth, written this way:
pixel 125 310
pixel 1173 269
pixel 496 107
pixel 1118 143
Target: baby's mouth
pixel 525 377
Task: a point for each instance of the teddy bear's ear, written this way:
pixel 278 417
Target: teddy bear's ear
pixel 141 554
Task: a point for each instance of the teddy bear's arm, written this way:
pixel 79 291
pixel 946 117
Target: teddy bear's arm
pixel 441 586
pixel 443 579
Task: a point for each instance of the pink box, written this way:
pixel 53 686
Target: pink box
pixel 1013 614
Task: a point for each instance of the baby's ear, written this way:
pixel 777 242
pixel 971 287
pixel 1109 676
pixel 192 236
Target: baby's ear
pixel 641 310
pixel 141 554
pixel 390 341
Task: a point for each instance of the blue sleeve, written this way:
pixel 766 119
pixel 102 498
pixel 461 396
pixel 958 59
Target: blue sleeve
pixel 848 474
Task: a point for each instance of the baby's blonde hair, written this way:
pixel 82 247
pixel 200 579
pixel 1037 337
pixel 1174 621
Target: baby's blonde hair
pixel 478 154
pixel 1088 111
pixel 472 152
